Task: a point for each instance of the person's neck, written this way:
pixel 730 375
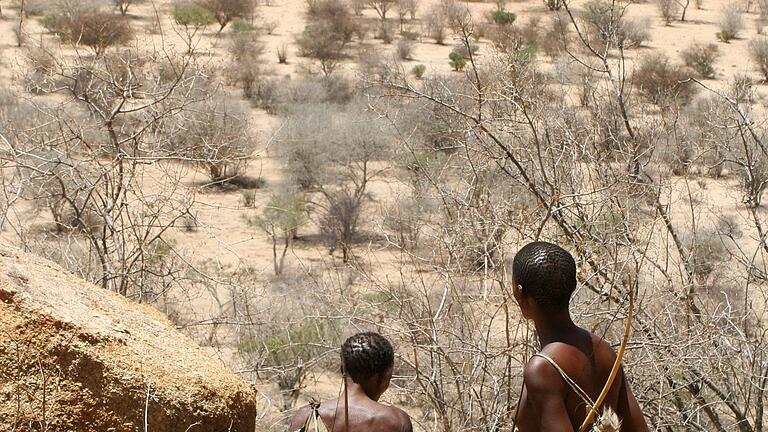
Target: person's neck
pixel 555 327
pixel 356 391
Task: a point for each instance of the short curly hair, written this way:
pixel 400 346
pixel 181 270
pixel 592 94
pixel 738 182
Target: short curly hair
pixel 366 354
pixel 547 273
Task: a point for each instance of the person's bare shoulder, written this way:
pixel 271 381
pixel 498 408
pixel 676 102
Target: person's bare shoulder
pixel 396 419
pixel 299 418
pixel 541 377
pixel 604 353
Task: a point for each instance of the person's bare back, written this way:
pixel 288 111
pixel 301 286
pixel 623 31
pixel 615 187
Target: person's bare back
pixel 588 361
pixel 568 374
pixel 368 362
pixel 364 415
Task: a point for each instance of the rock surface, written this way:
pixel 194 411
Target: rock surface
pixel 75 357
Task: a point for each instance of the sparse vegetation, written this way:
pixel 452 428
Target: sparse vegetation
pixel 123 5
pixel 503 18
pixel 758 53
pixel 701 58
pixel 669 10
pixel 396 194
pixel 662 81
pixel 97 30
pixel 731 24
pixel 405 49
pixel 457 61
pixel 418 70
pixel 326 37
pixel 193 19
pixel 224 11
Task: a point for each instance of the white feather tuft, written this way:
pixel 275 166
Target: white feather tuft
pixel 607 422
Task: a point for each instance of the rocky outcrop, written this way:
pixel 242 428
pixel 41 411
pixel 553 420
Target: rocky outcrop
pixel 74 357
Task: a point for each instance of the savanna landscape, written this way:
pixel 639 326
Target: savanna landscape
pixel 274 175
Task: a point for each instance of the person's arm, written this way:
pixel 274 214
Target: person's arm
pixel 406 422
pixel 632 419
pixel 299 419
pixel 543 407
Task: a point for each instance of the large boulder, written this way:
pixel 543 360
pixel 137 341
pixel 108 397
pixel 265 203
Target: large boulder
pixel 75 357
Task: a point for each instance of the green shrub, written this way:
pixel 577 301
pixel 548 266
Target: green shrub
pixel 503 18
pixel 192 15
pixel 457 61
pixel 240 26
pixel 701 58
pixel 466 52
pixel 249 198
pixel 418 70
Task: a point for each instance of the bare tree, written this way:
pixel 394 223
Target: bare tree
pixel 381 7
pixel 340 177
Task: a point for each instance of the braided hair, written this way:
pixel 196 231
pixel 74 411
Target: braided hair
pixel 547 273
pixel 366 354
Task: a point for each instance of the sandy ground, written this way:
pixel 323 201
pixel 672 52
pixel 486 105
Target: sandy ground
pixel 223 236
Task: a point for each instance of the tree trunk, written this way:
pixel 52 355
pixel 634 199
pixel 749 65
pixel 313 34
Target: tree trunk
pixel 20 35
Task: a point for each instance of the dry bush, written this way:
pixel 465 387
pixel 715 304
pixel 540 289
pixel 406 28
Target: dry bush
pixel 758 53
pixel 405 49
pixel 270 27
pixel 407 7
pixel 358 6
pixel 227 10
pixel 701 58
pixel 213 134
pixel 731 23
pixel 742 89
pixel 707 253
pixel 37 7
pixel 326 36
pixel 288 352
pixel 436 24
pixel 244 70
pixel 381 7
pixel 663 82
pixel 93 188
pixel 608 27
pixel 123 5
pixel 635 32
pixel 282 54
pixel 97 30
pixel 760 23
pixel 385 32
pixel 329 151
pixel 669 10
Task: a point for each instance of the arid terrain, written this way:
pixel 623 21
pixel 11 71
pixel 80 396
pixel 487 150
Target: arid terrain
pixel 270 209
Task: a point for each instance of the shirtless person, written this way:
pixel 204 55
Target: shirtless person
pixel 544 278
pixel 368 360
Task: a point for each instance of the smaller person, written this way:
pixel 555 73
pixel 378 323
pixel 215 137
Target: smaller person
pixel 368 360
pixel 573 365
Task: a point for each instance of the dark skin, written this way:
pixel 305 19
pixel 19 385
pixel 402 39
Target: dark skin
pixel 365 412
pixel 548 403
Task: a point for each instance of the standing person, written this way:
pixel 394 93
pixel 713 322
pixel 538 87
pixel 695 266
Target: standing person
pixel 368 360
pixel 562 380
